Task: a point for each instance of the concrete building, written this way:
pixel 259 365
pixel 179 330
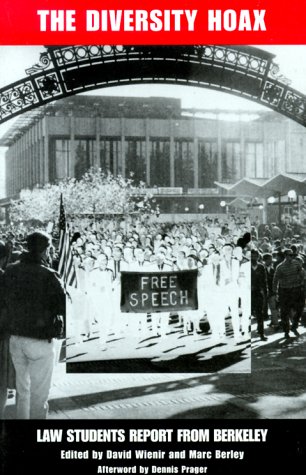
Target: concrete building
pixel 177 152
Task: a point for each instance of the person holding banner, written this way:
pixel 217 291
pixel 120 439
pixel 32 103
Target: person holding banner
pixel 160 320
pixel 139 323
pixel 180 263
pixel 191 318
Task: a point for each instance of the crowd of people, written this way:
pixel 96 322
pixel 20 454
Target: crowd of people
pixel 243 270
pixel 219 251
pixel 278 264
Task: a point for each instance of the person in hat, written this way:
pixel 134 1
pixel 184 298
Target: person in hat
pixel 33 297
pixel 288 283
pixel 265 246
pixel 267 232
pixel 276 232
pixel 288 232
pixel 181 262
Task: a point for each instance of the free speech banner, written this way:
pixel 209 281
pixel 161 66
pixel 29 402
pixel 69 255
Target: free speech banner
pixel 152 292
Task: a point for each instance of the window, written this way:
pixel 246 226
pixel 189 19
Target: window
pixel 183 163
pixel 254 160
pixel 84 156
pixel 270 160
pixel 110 155
pixel 135 159
pixel 207 155
pixel 60 150
pixel 62 156
pixel 159 162
pixel 232 153
pixel 280 156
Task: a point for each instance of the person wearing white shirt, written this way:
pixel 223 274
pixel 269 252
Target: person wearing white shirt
pixel 229 282
pixel 138 323
pixel 210 295
pixel 116 265
pixel 191 318
pixel 100 289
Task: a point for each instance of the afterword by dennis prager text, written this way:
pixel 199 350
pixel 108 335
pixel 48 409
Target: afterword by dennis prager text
pixel 152 435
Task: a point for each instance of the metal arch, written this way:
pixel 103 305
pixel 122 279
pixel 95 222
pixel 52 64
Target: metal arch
pixel 67 70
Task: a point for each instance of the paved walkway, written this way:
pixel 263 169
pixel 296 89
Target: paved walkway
pixel 276 388
pixel 175 350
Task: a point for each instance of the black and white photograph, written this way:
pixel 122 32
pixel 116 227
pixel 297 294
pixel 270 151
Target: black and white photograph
pixel 153 232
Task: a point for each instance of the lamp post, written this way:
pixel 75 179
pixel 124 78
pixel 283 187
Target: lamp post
pixel 293 197
pixel 201 208
pixel 262 211
pixel 224 204
pixel 271 200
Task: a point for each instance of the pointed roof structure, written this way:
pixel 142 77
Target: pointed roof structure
pixel 279 185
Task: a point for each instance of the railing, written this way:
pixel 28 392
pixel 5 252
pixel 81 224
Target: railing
pixel 66 70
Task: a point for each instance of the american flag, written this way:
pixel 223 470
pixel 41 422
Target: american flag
pixel 65 266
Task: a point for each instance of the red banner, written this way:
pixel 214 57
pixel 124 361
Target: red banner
pixel 47 22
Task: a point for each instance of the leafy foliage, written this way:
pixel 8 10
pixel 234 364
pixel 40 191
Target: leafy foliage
pixel 95 193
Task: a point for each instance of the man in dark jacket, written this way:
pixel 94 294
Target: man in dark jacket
pixel 33 299
pixel 288 282
pixel 259 292
pixel 271 300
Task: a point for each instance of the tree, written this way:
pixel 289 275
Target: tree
pixel 95 193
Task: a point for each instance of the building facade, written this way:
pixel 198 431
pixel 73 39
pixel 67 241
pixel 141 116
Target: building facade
pixel 176 152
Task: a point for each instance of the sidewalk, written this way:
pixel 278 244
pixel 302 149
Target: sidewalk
pixel 276 388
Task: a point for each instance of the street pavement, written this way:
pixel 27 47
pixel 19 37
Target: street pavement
pixel 274 389
pixel 146 350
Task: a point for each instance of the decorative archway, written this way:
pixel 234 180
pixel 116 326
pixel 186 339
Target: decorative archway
pixel 67 70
